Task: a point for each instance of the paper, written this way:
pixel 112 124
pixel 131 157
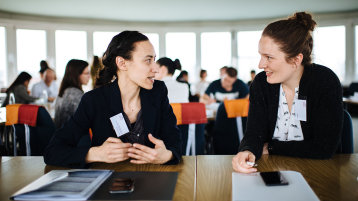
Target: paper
pixel 64 185
pixel 300 110
pixel 252 187
pixel 119 124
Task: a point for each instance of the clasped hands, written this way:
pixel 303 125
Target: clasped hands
pixel 114 150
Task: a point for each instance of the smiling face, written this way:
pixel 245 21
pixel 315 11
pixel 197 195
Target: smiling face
pixel 273 62
pixel 142 68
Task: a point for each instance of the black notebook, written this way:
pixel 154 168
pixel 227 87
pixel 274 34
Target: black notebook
pixel 147 186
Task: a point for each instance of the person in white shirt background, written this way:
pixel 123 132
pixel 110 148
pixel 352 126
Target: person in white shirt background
pixel 202 85
pixel 46 84
pixel 177 92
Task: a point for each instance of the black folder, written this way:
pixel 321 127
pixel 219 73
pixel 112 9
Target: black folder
pixel 147 186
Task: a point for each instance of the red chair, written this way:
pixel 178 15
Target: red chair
pixel 190 114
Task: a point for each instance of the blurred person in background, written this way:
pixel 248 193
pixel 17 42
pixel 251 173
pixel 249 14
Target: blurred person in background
pixel 19 89
pixel 96 66
pixel 70 94
pixel 228 87
pixel 46 85
pixel 202 85
pixel 43 67
pixel 183 77
pixel 252 74
pixel 177 92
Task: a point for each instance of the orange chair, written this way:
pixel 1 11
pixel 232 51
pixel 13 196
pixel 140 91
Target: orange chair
pixel 190 114
pixel 237 108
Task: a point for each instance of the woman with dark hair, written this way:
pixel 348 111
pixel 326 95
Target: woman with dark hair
pixel 130 117
pixel 43 67
pixel 19 89
pixel 70 94
pixel 96 66
pixel 295 105
pixel 177 92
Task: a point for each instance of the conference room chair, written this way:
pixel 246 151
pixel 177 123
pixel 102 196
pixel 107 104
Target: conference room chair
pixel 230 124
pixel 191 120
pixel 346 144
pixel 29 129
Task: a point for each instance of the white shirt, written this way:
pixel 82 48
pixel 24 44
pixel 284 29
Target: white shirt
pixel 38 88
pixel 287 126
pixel 200 87
pixel 177 92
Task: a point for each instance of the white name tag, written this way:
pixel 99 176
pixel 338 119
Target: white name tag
pixel 119 124
pixel 300 110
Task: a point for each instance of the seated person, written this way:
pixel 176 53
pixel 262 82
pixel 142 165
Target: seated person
pixel 19 89
pixel 76 74
pixel 47 84
pixel 228 87
pixel 130 117
pixel 177 92
pixel 295 105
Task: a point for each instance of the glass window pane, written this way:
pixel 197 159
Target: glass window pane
pixel 248 56
pixel 31 49
pixel 182 46
pixel 356 51
pixel 215 52
pixel 3 66
pixel 69 45
pixel 154 39
pixel 101 41
pixel 329 48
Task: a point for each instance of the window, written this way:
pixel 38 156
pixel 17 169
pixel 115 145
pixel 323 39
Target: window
pixel 69 45
pixel 215 52
pixel 31 49
pixel 182 46
pixel 3 66
pixel 329 48
pixel 248 56
pixel 356 51
pixel 154 39
pixel 101 41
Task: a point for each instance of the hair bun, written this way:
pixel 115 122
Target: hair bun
pixel 305 19
pixel 177 64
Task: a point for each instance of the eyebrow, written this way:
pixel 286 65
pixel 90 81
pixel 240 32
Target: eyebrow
pixel 149 56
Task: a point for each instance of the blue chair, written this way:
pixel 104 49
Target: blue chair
pixel 346 144
pixel 225 138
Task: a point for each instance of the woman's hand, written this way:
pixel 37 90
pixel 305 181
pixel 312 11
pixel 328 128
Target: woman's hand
pixel 111 151
pixel 239 162
pixel 141 154
pixel 265 149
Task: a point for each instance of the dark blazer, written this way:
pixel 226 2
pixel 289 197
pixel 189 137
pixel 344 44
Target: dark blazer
pixel 322 90
pixel 94 111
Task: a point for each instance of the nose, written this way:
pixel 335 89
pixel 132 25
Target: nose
pixel 155 67
pixel 262 63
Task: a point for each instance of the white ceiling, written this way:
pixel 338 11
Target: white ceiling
pixel 174 10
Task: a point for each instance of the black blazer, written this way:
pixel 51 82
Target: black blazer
pixel 94 111
pixel 322 90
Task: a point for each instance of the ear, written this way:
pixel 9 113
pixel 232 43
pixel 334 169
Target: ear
pixel 297 60
pixel 121 63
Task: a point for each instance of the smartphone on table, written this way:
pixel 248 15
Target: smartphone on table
pixel 273 178
pixel 122 185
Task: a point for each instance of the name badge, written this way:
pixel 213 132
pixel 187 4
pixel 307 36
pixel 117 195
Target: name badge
pixel 300 110
pixel 119 124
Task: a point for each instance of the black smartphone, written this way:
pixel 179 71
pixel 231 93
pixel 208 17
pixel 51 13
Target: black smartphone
pixel 273 178
pixel 122 185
